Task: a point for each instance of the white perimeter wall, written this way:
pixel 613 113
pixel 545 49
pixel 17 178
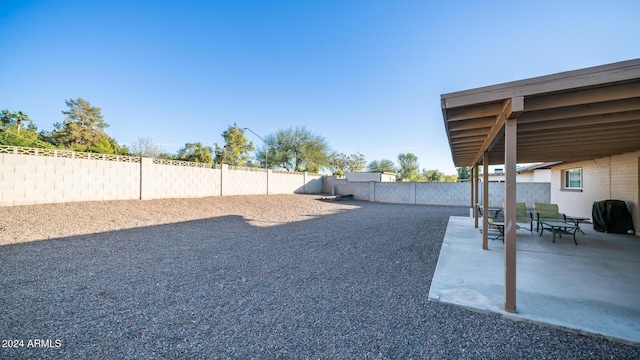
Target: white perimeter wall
pixel 282 182
pixel 610 178
pixel 243 181
pixel 30 179
pixel 37 176
pixel 427 193
pixel 177 179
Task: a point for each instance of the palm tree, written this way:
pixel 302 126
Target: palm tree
pixel 383 165
pixel 20 117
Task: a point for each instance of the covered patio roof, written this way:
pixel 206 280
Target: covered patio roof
pixel 570 116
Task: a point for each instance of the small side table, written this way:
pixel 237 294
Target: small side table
pixel 576 220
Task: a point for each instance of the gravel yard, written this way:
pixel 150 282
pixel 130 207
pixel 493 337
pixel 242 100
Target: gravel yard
pixel 283 276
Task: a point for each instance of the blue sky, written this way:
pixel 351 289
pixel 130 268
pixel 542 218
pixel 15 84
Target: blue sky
pixel 366 75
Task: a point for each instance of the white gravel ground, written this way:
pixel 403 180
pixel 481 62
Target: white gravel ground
pixel 246 277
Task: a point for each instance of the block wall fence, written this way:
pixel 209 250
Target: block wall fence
pixel 424 193
pixel 37 176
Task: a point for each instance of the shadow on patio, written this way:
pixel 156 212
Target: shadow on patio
pixel 593 287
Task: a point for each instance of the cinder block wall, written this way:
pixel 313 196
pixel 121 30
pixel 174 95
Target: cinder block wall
pixel 284 182
pixel 177 179
pixel 38 176
pixel 393 192
pixel 526 192
pixel 244 181
pixel 29 179
pixel 359 190
pixel 313 183
pixel 446 193
pixel 443 193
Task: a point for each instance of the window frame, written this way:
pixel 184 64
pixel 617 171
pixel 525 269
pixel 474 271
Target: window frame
pixel 566 179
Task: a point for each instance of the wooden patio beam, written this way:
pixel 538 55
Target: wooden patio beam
pixel 473 112
pixel 582 111
pixel 483 122
pixel 612 118
pixel 511 108
pixel 620 91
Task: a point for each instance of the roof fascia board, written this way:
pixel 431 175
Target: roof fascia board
pixel 598 75
pixel 446 127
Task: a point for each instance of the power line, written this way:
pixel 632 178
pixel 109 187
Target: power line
pixel 36 141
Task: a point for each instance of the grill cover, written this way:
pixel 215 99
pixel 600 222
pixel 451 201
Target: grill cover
pixel 612 216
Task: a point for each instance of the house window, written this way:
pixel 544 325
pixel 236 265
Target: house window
pixel 572 179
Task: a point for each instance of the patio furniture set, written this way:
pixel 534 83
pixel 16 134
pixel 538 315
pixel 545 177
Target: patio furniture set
pixel 547 217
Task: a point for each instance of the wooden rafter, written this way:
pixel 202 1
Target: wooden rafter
pixel 593 112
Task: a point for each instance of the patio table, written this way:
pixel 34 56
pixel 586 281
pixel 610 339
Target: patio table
pixel 559 227
pixel 576 220
pixel 495 212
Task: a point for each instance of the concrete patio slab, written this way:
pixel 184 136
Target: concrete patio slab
pixel 591 288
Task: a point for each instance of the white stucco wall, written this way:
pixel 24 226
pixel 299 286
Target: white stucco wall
pixel 541 175
pixel 607 178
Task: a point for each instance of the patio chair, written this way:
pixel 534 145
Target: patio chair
pixel 490 217
pixel 497 230
pixel 547 212
pixel 499 219
pixel 523 216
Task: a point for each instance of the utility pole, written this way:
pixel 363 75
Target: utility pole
pixel 266 156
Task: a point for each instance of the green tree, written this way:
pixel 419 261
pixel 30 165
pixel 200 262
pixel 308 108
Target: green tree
pixel 450 178
pixel 236 149
pixel 409 167
pixel 195 152
pixel 46 136
pixel 383 165
pixel 6 117
pixel 295 150
pixel 144 147
pixel 18 130
pixel 433 175
pixel 83 129
pixel 168 156
pixel 437 176
pixel 340 163
pixel 464 172
pixel 117 148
